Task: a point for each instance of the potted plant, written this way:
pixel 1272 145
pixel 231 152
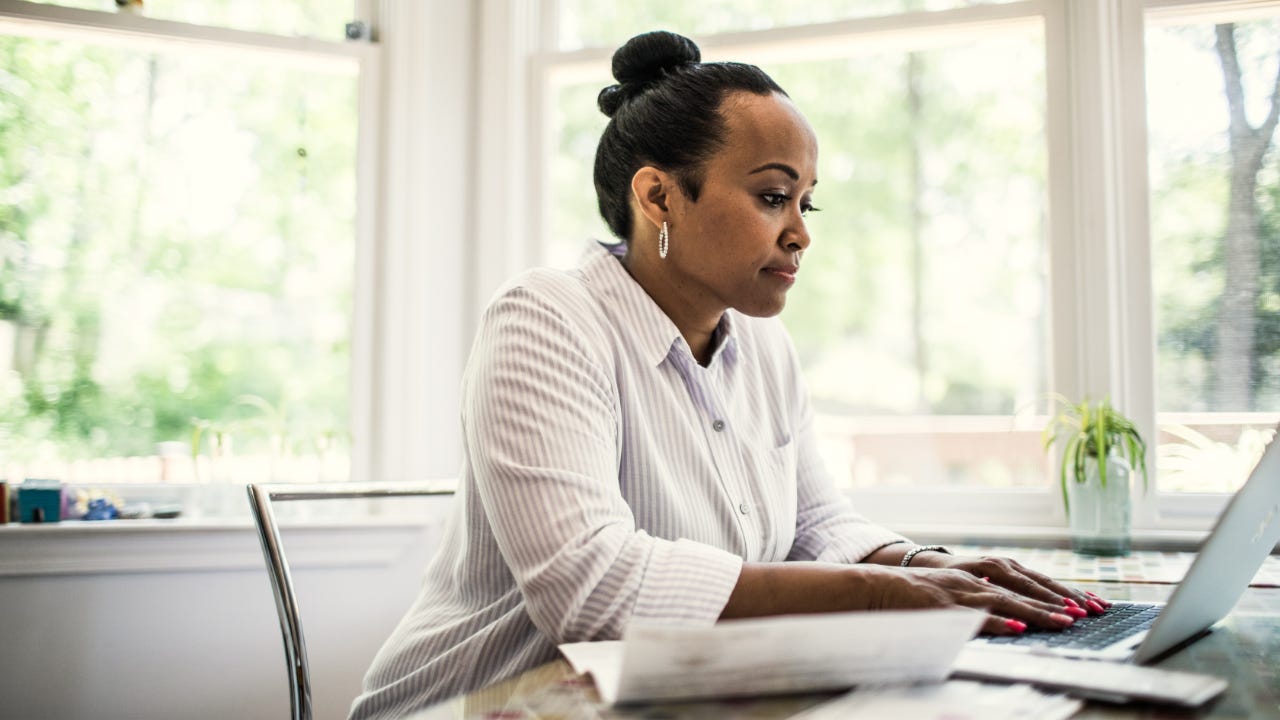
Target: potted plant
pixel 1101 449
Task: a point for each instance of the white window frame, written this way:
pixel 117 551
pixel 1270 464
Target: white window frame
pixel 411 318
pixel 1099 238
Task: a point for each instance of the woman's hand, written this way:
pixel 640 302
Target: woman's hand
pixel 934 580
pixel 1009 613
pixel 1020 581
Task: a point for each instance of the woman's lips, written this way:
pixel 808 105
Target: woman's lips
pixel 787 275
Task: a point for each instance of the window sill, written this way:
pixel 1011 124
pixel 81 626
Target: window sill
pixel 194 545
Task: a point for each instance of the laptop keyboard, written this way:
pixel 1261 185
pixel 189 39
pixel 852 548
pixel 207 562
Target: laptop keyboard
pixel 1090 633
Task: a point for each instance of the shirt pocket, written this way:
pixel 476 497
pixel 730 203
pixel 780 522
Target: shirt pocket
pixel 780 491
pixel 782 457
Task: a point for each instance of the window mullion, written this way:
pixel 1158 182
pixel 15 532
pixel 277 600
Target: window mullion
pixel 424 219
pixel 1134 270
pixel 506 242
pixel 1103 345
pixel 362 380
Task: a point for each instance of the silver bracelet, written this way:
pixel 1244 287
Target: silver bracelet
pixel 911 554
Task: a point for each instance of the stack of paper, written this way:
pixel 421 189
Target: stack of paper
pixel 953 700
pixel 801 653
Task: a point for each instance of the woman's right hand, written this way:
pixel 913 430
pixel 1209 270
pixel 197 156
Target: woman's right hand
pixel 1008 613
pixel 806 587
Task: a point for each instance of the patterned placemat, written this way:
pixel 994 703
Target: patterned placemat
pixel 1140 566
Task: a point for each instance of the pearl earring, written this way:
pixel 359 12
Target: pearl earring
pixel 664 240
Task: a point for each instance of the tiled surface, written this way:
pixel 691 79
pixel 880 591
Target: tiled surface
pixel 1137 567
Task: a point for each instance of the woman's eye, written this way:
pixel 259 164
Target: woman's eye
pixel 777 200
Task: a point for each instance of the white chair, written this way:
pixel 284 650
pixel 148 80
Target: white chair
pixel 260 499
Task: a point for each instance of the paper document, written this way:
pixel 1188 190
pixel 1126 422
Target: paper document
pixel 952 700
pixel 797 653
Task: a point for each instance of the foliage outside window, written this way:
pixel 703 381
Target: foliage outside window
pixel 177 236
pixel 1213 103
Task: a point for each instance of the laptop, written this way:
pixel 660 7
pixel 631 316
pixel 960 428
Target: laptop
pixel 1244 535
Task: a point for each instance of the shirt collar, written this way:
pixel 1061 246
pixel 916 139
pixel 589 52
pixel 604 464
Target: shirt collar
pixel 726 340
pixel 651 332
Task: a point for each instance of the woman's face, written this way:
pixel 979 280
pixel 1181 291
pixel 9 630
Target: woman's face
pixel 739 244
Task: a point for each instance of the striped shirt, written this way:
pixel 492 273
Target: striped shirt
pixel 607 476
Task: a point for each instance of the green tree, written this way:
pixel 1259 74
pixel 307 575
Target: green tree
pixel 178 232
pixel 1237 317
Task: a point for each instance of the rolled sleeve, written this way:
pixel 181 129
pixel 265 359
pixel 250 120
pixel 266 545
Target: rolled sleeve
pixel 687 583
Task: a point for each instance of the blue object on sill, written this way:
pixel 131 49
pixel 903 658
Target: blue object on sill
pixel 101 509
pixel 40 501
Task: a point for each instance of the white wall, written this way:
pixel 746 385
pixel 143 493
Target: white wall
pixel 182 623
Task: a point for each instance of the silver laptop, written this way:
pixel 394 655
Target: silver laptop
pixel 1244 535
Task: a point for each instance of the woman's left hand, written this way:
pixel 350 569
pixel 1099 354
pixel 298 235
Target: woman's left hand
pixel 1012 575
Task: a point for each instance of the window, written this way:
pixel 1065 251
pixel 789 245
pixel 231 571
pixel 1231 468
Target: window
pixel 985 242
pixel 1215 232
pixel 178 241
pixel 924 191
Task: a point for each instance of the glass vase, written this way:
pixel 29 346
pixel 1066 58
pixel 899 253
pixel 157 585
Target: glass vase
pixel 1099 515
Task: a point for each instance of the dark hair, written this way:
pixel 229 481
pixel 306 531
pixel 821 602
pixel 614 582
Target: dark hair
pixel 664 112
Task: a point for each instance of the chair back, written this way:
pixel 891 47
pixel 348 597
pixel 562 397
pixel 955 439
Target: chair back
pixel 261 498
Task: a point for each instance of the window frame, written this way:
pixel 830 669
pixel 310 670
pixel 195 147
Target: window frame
pixel 1098 231
pixel 101 28
pixel 414 128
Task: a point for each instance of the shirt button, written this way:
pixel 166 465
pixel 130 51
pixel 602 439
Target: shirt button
pixel 744 508
pixel 717 425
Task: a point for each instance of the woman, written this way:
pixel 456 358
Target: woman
pixel 638 441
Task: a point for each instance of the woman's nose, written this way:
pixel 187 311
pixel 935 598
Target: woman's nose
pixel 796 237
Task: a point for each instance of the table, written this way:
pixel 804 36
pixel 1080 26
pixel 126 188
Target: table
pixel 1245 647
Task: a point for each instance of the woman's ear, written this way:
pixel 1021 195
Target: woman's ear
pixel 651 189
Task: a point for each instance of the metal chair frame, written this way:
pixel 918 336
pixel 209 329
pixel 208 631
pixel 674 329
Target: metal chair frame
pixel 261 498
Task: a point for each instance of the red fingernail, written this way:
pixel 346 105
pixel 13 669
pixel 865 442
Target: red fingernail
pixel 1015 625
pixel 986 579
pixel 1094 606
pixel 1076 612
pixel 1069 602
pixel 1104 603
pixel 1062 619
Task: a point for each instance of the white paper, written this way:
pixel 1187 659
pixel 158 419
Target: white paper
pixel 952 700
pixel 776 655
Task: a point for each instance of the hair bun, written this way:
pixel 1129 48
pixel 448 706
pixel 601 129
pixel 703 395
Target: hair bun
pixel 643 60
